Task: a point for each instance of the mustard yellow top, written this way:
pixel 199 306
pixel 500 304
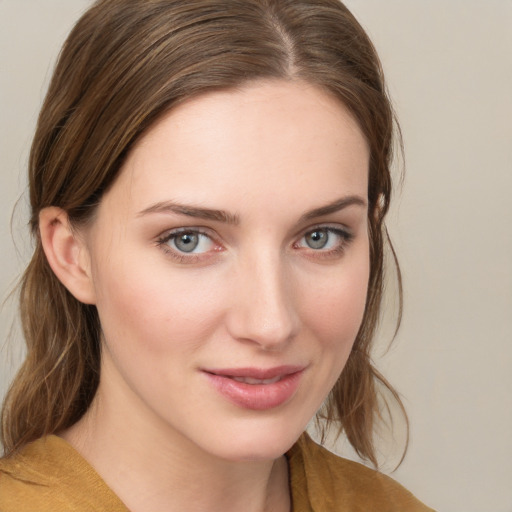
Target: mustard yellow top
pixel 51 476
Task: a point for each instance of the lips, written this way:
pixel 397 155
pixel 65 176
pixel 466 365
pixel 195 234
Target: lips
pixel 256 388
pixel 250 380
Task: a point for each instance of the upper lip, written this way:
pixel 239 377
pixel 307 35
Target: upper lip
pixel 256 373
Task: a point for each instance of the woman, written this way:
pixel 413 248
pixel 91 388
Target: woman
pixel 208 183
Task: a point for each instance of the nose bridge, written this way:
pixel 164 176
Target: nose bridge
pixel 263 309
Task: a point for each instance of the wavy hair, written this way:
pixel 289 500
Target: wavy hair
pixel 124 65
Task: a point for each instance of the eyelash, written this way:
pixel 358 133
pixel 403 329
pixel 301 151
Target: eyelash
pixel 183 257
pixel 345 239
pixel 345 236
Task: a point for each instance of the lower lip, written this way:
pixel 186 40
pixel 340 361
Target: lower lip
pixel 257 397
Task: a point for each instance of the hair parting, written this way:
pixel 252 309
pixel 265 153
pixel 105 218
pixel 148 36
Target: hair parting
pixel 127 63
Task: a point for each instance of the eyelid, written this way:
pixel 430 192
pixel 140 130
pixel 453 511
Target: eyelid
pixel 183 257
pixel 334 227
pixel 200 230
pixel 346 237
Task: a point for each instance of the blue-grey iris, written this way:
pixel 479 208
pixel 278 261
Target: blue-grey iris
pixel 317 239
pixel 187 242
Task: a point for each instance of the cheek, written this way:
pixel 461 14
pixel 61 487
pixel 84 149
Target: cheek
pixel 335 311
pixel 332 316
pixel 153 309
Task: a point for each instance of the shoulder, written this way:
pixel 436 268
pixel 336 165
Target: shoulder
pixel 321 480
pixel 48 475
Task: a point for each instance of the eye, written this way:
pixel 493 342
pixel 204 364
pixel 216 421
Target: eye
pixel 184 242
pixel 317 239
pixel 187 242
pixel 324 238
pixel 325 241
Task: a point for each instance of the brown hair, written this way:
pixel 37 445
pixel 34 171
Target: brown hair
pixel 125 64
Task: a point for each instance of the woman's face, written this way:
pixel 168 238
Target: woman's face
pixel 230 264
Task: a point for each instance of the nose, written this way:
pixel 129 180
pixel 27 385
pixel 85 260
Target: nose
pixel 263 307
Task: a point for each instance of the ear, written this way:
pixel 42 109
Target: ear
pixel 66 253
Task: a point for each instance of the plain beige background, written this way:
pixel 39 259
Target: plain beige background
pixel 449 69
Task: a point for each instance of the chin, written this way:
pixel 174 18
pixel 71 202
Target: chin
pixel 258 442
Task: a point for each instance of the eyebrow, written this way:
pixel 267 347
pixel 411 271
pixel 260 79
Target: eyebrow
pixel 192 211
pixel 335 206
pixel 234 219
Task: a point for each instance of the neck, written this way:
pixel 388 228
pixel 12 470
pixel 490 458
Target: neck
pixel 150 468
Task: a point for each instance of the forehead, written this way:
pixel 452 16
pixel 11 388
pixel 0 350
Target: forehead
pixel 272 140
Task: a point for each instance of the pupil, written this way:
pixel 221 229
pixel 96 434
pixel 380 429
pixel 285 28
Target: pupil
pixel 317 239
pixel 187 242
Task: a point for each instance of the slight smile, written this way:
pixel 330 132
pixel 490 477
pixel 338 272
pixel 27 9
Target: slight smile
pixel 256 388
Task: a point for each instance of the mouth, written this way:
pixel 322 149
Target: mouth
pixel 256 388
pixel 252 381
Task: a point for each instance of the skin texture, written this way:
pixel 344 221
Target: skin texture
pixel 252 294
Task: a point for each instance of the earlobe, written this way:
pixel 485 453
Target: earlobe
pixel 66 253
